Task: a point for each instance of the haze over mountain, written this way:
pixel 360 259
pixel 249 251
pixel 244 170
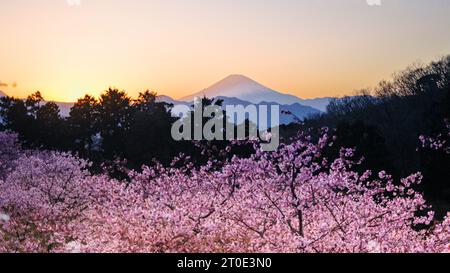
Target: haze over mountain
pixel 2 94
pixel 244 88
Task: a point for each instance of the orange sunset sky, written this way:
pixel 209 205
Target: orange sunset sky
pixel 309 48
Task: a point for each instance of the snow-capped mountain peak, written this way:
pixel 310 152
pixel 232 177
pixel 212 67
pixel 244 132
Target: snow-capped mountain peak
pixel 232 86
pixel 244 88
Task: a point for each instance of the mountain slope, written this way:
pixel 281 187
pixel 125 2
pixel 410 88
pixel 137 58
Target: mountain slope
pixel 2 94
pixel 167 99
pixel 64 108
pixel 244 88
pixel 319 103
pixel 296 110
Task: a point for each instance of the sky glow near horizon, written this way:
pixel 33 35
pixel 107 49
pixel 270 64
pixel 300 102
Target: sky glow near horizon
pixel 309 48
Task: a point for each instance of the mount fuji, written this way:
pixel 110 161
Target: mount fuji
pixel 246 89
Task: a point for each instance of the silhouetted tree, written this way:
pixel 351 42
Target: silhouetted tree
pixel 114 121
pixel 14 116
pixel 50 130
pixel 33 103
pixel 83 121
pixel 149 135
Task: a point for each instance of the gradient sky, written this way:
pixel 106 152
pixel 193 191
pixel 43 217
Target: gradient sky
pixel 310 48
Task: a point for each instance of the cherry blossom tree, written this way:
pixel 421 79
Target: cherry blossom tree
pixel 292 200
pixel 45 193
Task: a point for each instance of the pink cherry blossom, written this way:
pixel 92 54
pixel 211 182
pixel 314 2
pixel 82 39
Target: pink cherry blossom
pixel 440 142
pixel 293 200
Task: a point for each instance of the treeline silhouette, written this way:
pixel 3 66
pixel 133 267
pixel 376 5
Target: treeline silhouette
pixel 112 127
pixel 113 131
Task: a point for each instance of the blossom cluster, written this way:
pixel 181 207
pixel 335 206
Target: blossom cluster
pixel 293 200
pixel 440 142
